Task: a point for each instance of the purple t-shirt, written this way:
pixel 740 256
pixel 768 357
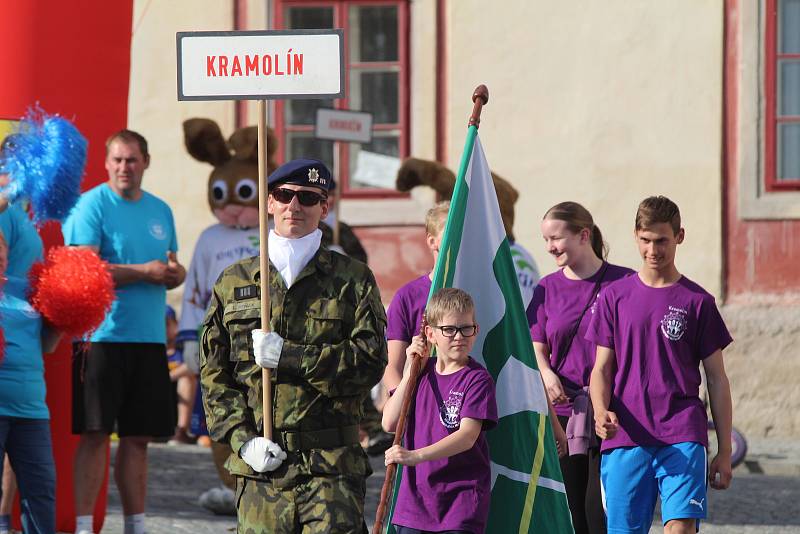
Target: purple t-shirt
pixel 659 336
pixel 404 316
pixel 557 302
pixel 449 493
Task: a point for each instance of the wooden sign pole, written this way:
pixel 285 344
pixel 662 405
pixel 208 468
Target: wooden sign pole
pixel 263 230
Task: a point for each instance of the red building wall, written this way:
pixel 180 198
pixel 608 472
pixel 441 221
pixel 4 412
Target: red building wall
pixel 762 257
pixel 396 254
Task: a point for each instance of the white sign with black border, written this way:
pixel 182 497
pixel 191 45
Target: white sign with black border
pixel 260 65
pixel 343 125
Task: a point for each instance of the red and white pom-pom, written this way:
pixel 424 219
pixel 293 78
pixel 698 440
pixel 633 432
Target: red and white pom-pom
pixel 72 289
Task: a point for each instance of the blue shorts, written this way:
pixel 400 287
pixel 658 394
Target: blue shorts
pixel 633 477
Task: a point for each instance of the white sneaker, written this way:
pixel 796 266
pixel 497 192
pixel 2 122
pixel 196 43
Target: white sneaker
pixel 220 500
pixel 81 532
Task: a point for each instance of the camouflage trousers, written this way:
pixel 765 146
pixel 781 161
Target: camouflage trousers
pixel 329 504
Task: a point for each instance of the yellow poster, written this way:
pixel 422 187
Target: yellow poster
pixel 6 127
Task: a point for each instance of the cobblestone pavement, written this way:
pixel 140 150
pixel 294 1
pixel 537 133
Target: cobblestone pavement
pixel 177 475
pixel 756 503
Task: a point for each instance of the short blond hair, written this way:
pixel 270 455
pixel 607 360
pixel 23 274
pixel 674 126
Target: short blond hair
pixel 448 300
pixel 437 217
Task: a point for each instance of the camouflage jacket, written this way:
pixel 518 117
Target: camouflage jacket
pixel 333 322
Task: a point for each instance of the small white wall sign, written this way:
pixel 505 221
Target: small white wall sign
pixel 343 125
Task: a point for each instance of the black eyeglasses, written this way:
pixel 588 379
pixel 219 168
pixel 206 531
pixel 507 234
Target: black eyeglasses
pixel 305 198
pixel 468 330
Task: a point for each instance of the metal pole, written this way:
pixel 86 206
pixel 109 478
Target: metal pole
pixel 337 193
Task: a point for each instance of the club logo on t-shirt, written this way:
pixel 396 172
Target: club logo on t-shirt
pixel 673 325
pixel 157 229
pixel 451 410
pixel 594 303
pixel 29 312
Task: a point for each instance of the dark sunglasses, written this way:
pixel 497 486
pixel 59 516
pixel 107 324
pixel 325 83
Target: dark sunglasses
pixel 305 198
pixel 468 330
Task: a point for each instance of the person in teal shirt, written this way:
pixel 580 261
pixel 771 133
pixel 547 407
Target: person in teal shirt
pixel 122 376
pixel 24 248
pixel 24 417
pixel 24 244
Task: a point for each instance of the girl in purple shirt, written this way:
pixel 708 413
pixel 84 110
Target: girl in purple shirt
pixel 561 302
pixel 652 331
pixel 447 485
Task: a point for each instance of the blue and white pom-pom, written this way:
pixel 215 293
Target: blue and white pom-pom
pixel 44 161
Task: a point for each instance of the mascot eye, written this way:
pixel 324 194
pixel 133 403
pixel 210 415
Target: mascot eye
pixel 219 191
pixel 246 189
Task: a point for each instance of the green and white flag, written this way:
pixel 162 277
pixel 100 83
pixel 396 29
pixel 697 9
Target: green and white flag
pixel 528 494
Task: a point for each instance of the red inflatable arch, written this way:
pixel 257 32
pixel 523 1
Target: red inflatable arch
pixel 73 58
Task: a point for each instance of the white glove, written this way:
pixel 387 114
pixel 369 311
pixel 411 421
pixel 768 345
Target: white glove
pixel 262 454
pixel 267 348
pixel 191 355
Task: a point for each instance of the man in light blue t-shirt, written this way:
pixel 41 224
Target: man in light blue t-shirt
pixel 122 375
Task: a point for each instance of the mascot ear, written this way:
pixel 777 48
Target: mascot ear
pixel 245 146
pixel 415 171
pixel 204 141
pixel 507 196
pixel 244 143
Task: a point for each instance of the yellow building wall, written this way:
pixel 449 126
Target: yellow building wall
pixel 154 111
pixel 603 103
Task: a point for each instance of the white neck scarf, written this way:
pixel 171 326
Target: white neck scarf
pixel 290 256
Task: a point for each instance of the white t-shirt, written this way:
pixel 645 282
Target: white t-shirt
pixel 218 247
pixel 527 273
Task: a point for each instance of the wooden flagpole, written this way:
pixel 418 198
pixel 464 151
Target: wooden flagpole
pixel 479 97
pixel 408 398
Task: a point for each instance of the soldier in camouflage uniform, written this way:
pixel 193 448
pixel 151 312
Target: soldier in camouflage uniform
pixel 327 348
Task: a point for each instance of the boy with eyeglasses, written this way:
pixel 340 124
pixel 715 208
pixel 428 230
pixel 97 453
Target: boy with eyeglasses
pixel 447 486
pixel 327 349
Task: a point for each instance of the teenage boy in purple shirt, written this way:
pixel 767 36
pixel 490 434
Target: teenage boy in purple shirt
pixel 652 330
pixel 447 486
pixel 404 315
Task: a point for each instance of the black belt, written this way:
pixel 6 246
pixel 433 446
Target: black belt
pixel 327 438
